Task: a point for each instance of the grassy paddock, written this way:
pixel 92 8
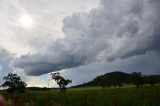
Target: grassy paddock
pixel 93 96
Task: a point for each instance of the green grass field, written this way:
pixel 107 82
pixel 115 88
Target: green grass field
pixel 93 96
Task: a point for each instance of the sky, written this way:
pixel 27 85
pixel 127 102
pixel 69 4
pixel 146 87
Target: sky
pixel 79 38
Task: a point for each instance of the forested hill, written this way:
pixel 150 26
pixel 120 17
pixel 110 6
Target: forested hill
pixel 118 78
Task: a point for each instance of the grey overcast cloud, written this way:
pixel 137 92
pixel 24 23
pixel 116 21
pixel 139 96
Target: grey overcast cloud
pixel 79 38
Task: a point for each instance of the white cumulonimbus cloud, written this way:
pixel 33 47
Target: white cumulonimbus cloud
pixel 117 29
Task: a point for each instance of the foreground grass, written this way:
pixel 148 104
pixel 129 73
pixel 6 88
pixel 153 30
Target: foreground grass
pixel 95 96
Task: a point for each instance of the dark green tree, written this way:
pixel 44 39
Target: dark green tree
pixel 119 84
pixel 108 83
pixel 151 80
pixel 13 82
pixel 60 81
pixel 137 78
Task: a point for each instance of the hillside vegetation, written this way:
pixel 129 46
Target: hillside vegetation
pixel 119 78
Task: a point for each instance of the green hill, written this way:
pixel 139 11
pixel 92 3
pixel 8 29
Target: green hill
pixel 118 78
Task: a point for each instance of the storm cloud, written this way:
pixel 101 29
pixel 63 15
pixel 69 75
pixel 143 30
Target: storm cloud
pixel 5 62
pixel 117 29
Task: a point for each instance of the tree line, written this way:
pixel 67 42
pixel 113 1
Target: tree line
pixel 116 79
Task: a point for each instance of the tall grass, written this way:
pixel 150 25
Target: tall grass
pixel 148 96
